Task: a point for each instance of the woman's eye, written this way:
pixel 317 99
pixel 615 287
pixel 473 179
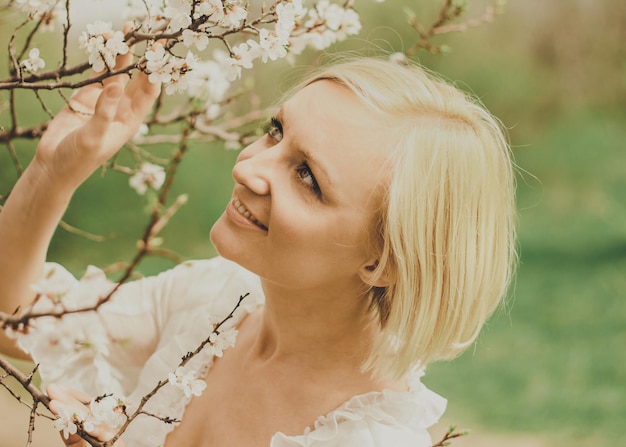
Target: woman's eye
pixel 306 176
pixel 274 129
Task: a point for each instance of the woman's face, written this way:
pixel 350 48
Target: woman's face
pixel 306 194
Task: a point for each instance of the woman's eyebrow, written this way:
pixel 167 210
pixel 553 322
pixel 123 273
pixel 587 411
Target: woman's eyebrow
pixel 305 153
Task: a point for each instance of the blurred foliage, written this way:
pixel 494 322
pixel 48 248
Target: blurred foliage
pixel 552 362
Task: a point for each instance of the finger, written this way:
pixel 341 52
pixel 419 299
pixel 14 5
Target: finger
pixel 56 392
pixel 121 61
pixel 106 108
pixel 76 395
pixel 86 95
pixel 141 94
pixel 79 395
pixel 76 399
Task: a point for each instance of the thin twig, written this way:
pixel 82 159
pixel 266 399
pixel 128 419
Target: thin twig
pixel 14 158
pixel 450 434
pixel 25 382
pixel 29 39
pixel 82 233
pixel 15 69
pixel 66 31
pixel 43 104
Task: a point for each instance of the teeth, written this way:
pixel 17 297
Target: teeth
pixel 244 212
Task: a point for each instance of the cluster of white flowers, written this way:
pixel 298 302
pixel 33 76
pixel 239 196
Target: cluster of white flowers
pixel 102 44
pixel 219 341
pixel 169 69
pixel 209 82
pixel 61 340
pixel 108 410
pixel 282 30
pixel 291 34
pixel 176 15
pixel 53 287
pixel 188 381
pixel 148 175
pixel 46 11
pixel 37 9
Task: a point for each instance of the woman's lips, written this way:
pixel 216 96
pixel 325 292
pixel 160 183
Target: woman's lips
pixel 241 209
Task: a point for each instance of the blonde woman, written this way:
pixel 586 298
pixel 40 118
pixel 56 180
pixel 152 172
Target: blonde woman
pixel 372 227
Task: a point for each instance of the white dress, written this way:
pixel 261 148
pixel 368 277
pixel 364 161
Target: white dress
pixel 140 336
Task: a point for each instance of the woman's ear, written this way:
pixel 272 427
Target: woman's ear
pixel 371 275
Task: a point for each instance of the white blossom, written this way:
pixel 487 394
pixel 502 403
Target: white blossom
pixel 192 38
pixel 209 80
pixel 398 58
pixel 109 410
pixel 245 53
pixel 214 9
pixel 188 382
pixel 234 14
pixel 273 45
pixel 179 14
pixel 36 9
pixel 141 132
pixel 147 16
pixel 53 287
pixel 333 17
pixel 220 341
pixel 57 14
pixel 60 340
pixel 158 66
pixel 212 111
pixel 350 24
pixel 74 338
pixel 148 175
pixel 288 13
pixel 226 63
pixel 297 44
pixel 65 422
pixel 135 10
pixel 327 23
pixel 102 50
pixel 180 69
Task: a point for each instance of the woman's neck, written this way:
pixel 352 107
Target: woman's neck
pixel 324 328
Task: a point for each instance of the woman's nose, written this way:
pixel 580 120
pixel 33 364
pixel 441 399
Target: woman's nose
pixel 252 170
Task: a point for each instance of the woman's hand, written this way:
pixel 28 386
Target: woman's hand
pixel 95 124
pixel 70 405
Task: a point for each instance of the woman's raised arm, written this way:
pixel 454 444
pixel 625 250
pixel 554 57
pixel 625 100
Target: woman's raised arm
pixel 95 124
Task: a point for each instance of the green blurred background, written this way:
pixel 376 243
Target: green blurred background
pixel 552 362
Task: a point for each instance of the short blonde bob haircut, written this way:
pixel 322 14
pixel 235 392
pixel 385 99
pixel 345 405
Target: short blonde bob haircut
pixel 446 228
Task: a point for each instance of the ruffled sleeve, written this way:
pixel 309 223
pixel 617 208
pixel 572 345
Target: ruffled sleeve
pixel 376 419
pixel 107 351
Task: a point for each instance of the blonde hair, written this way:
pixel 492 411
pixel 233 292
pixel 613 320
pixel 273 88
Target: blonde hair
pixel 446 229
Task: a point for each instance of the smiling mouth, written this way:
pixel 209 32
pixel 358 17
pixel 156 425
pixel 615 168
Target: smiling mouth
pixel 247 214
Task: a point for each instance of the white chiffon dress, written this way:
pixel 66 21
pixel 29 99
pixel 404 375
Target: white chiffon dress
pixel 139 337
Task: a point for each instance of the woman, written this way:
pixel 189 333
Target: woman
pixel 372 227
